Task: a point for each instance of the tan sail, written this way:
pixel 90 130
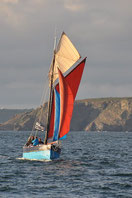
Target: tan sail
pixel 65 56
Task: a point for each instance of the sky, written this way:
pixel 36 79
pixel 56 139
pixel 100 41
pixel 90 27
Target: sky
pixel 100 30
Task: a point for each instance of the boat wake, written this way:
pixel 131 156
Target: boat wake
pixel 44 160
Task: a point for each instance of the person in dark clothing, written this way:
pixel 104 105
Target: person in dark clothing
pixel 30 139
pixel 40 141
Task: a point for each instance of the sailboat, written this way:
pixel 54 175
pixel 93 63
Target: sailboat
pixel 64 78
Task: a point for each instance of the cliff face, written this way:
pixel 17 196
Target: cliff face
pixel 6 114
pixel 25 121
pixel 108 114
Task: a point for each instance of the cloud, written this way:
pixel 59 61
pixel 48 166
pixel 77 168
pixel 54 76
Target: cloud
pixel 9 1
pixel 74 5
pixel 101 30
pixel 8 13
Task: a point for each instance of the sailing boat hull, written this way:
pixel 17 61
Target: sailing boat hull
pixel 41 152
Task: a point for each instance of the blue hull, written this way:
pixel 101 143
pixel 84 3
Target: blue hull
pixel 41 152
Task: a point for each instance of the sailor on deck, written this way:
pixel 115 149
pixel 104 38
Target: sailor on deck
pixel 40 141
pixel 35 141
pixel 30 139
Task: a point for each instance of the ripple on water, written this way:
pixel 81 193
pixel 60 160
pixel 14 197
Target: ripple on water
pixel 93 165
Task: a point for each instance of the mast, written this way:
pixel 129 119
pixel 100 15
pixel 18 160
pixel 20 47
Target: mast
pixel 50 96
pixel 65 55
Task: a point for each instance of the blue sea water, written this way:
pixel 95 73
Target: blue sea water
pixel 92 164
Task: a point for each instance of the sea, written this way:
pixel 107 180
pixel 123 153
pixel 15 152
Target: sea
pixel 92 164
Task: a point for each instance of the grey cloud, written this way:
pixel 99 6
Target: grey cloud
pixel 101 30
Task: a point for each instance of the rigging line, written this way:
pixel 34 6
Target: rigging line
pixel 44 98
pixel 42 104
pixel 39 105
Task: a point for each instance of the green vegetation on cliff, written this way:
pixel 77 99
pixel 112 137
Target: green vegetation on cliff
pixel 105 114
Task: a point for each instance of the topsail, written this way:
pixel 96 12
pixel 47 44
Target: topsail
pixel 66 55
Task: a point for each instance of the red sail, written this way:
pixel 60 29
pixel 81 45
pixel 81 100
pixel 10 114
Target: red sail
pixel 66 105
pixel 73 79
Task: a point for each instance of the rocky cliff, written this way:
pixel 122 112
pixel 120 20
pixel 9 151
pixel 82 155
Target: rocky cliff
pixel 6 114
pixel 106 114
